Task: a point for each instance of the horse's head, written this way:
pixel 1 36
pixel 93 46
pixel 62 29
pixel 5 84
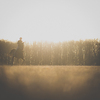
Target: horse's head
pixel 12 52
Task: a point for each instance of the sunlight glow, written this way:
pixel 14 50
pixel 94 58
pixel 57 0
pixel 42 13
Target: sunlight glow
pixel 51 20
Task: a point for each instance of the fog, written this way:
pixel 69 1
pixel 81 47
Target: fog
pixel 49 82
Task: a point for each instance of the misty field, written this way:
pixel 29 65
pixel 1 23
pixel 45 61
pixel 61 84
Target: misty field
pixel 49 82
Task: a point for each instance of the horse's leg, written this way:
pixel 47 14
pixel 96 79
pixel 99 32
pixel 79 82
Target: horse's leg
pixel 12 60
pixel 17 61
pixel 23 61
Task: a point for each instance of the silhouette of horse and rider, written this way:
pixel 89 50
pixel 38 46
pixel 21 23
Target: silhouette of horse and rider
pixel 18 53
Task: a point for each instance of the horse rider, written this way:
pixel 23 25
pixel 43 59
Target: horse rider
pixel 18 53
pixel 20 45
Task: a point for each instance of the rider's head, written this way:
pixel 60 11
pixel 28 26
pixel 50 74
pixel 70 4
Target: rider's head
pixel 20 38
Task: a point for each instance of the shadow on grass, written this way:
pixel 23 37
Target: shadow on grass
pixel 49 83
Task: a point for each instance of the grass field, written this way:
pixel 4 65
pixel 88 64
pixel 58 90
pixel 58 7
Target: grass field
pixel 49 82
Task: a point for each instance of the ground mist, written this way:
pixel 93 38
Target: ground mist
pixel 49 82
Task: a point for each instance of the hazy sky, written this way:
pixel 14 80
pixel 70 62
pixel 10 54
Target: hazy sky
pixel 53 20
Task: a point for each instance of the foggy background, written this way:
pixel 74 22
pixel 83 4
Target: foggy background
pixel 52 20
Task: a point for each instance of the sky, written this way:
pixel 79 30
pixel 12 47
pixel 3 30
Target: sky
pixel 49 20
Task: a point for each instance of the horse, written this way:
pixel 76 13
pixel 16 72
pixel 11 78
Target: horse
pixel 16 54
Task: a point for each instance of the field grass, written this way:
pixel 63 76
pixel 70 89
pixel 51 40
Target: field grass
pixel 49 82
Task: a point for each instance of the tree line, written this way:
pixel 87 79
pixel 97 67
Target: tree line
pixel 82 52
